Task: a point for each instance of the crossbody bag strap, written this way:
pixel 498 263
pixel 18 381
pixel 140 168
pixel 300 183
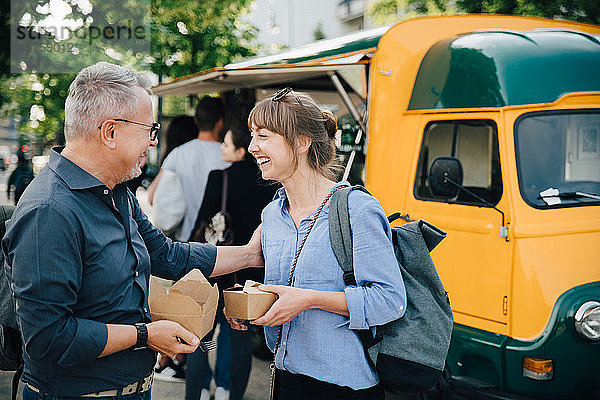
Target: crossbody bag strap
pixel 312 223
pixel 224 191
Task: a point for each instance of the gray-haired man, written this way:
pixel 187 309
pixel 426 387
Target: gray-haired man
pixel 80 251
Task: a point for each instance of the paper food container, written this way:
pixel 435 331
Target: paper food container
pixel 191 301
pixel 247 302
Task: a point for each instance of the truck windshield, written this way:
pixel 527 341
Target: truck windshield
pixel 558 158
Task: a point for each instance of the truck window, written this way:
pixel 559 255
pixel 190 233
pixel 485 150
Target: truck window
pixel 475 144
pixel 558 158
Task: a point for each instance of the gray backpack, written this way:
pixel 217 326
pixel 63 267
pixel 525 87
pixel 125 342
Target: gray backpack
pixel 409 353
pixel 10 338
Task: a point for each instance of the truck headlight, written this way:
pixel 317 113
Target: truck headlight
pixel 587 320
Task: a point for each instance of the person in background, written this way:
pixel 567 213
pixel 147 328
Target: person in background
pixel 182 129
pixel 20 178
pixel 193 161
pixel 310 326
pixel 247 195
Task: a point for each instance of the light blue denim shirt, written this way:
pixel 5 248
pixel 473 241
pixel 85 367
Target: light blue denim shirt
pixel 319 343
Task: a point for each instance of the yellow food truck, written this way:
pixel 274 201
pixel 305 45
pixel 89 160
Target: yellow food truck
pixel 489 128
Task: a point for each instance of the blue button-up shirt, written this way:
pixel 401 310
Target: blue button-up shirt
pixel 319 343
pixel 80 256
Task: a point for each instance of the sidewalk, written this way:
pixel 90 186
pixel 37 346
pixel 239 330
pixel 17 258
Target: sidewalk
pixel 258 385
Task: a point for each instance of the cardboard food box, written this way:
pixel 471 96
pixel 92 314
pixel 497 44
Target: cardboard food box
pixel 191 301
pixel 247 302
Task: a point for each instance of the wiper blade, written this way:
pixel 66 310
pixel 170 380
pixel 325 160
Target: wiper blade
pixel 552 196
pixel 576 195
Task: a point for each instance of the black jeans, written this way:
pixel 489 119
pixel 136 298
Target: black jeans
pixel 290 386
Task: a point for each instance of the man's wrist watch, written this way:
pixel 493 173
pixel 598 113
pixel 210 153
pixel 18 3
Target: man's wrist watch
pixel 142 336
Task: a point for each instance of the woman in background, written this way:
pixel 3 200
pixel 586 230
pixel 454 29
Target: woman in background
pixel 247 195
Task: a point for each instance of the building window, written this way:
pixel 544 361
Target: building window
pixel 475 144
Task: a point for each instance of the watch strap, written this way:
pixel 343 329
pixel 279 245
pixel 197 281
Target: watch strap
pixel 142 336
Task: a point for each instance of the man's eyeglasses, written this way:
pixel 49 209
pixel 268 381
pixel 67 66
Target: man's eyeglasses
pixel 283 92
pixel 154 128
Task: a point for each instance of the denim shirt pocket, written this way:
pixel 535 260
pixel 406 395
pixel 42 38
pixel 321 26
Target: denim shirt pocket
pixel 318 268
pixel 273 263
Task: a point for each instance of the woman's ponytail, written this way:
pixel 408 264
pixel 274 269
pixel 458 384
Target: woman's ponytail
pixel 330 123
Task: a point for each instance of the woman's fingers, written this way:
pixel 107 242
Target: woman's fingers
pixel 277 289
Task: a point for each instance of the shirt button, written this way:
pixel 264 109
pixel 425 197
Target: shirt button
pixel 137 273
pixel 145 310
pixel 284 343
pixel 105 191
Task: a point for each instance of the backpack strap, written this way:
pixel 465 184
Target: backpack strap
pixel 340 235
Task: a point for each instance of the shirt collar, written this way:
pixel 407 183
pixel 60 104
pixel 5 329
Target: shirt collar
pixel 73 175
pixel 281 195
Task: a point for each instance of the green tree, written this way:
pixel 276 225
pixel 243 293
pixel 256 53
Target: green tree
pixel 385 11
pixel 192 36
pixel 186 37
pixel 318 33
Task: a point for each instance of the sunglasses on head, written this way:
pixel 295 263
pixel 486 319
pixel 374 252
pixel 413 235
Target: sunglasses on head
pixel 283 92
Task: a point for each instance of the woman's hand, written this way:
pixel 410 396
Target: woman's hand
pixel 291 302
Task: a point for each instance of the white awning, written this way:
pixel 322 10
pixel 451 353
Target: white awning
pixel 269 76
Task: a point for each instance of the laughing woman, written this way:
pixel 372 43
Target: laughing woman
pixel 310 327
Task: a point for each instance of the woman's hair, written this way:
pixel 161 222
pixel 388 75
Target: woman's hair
pixel 240 136
pixel 295 115
pixel 181 130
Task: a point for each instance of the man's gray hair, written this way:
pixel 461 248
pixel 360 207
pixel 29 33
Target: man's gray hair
pixel 99 92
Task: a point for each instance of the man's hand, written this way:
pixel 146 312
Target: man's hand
pixel 170 338
pixel 291 302
pixel 255 249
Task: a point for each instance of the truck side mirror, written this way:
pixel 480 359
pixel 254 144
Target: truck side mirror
pixel 445 177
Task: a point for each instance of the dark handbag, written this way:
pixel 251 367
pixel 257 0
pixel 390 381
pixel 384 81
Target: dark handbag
pixel 217 229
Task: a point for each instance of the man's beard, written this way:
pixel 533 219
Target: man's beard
pixel 133 173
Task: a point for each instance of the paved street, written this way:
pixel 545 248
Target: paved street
pixel 258 386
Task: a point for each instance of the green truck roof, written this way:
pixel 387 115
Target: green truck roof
pixel 499 68
pixel 361 40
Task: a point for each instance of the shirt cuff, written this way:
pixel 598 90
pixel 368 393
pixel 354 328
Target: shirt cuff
pixel 355 299
pixel 87 344
pixel 203 256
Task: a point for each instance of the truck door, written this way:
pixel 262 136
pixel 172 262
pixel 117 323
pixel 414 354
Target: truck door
pixel 473 261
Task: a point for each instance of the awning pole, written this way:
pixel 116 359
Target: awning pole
pixel 350 106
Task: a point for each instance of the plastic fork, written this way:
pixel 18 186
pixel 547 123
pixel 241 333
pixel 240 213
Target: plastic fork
pixel 208 345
